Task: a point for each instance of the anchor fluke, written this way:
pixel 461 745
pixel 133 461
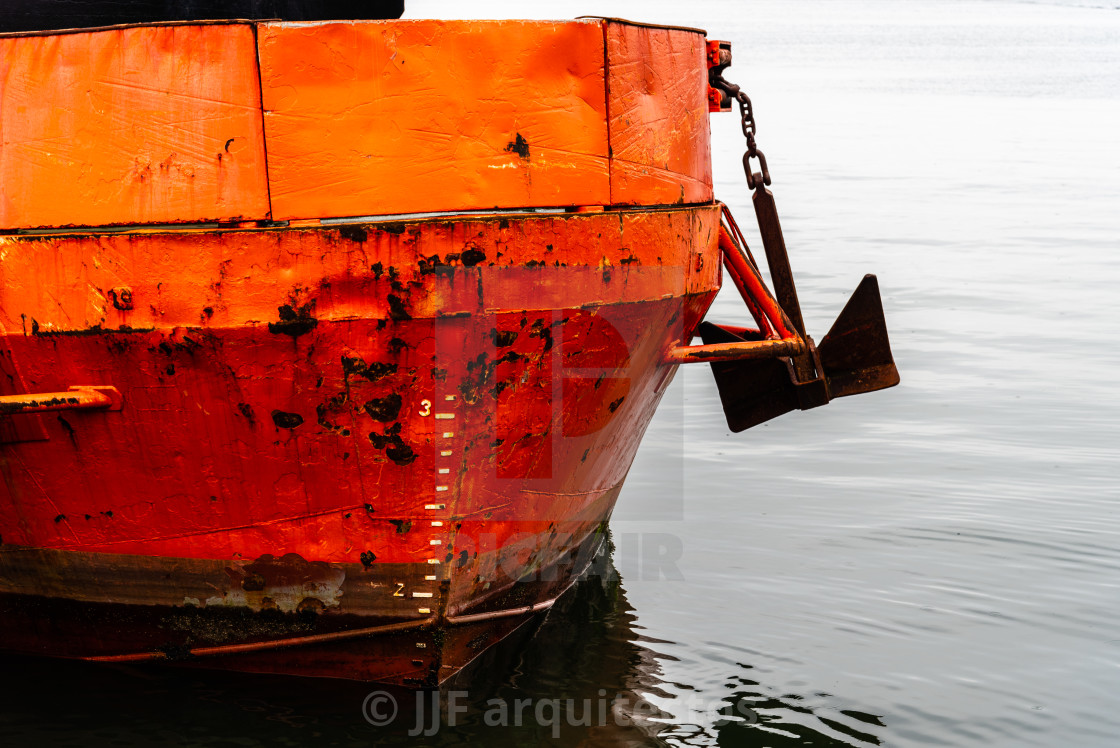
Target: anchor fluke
pixel 856 352
pixel 752 391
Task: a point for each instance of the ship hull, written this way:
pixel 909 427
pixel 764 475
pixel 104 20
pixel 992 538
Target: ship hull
pixel 374 472
pixel 325 348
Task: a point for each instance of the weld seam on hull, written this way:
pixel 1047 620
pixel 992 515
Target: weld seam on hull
pixel 334 221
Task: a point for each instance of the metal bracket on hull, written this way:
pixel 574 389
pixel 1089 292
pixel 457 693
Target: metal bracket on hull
pixel 775 336
pixel 19 428
pixel 82 397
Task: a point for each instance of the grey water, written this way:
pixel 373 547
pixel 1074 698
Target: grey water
pixel 932 565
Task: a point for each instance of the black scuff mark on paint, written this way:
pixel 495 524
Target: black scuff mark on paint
pixel 353 233
pixel 334 405
pixel 394 446
pixel 247 410
pixel 396 309
pixel 472 256
pixel 367 558
pixel 294 322
pixel 401 454
pixel 434 265
pixel 503 338
pixel 479 374
pixel 520 146
pixel 402 525
pixel 69 430
pixel 540 330
pixel 384 408
pixel 97 329
pixel 285 420
pixel 356 365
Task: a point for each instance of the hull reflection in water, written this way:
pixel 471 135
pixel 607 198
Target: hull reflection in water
pixel 582 675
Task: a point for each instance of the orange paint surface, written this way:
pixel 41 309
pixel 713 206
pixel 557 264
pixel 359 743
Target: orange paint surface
pixel 277 381
pixel 382 118
pixel 154 124
pixel 441 407
pixel 660 141
pixel 164 124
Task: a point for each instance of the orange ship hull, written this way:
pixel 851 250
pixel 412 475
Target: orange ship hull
pixel 394 445
pixel 354 448
pixel 327 347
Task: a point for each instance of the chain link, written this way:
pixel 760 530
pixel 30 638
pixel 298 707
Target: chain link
pixel 755 179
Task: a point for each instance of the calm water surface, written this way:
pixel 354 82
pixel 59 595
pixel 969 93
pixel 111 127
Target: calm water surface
pixel 938 564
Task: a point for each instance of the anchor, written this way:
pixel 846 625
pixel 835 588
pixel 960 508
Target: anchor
pixel 764 372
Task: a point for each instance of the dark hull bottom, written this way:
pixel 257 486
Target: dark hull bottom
pixel 307 642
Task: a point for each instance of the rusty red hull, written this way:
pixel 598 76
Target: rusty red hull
pixel 245 423
pixel 424 439
pixel 241 429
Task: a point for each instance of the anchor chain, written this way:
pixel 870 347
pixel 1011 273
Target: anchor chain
pixel 785 369
pixel 807 373
pixel 750 127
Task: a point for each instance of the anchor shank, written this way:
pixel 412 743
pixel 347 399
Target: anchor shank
pixel 776 256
